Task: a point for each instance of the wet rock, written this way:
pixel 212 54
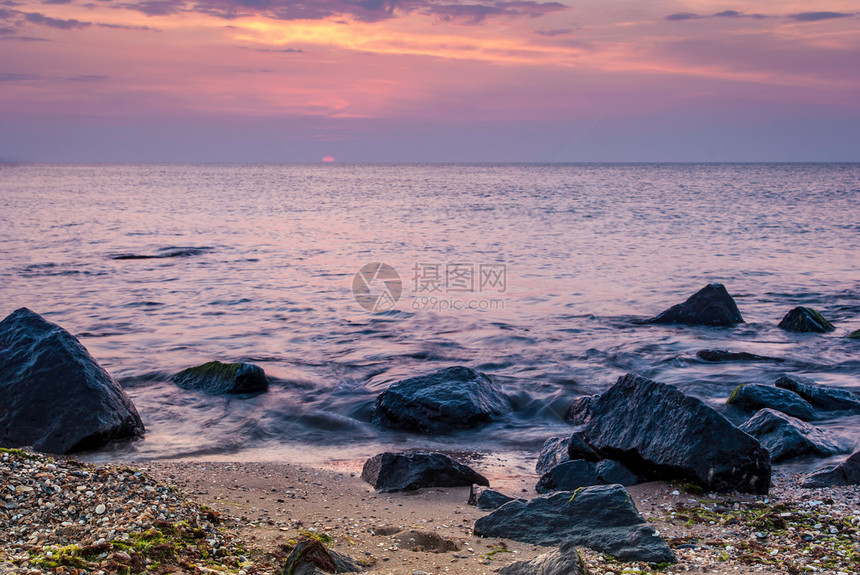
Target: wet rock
pixel 660 433
pixel 580 409
pixel 55 397
pixel 846 473
pixel 169 252
pixel 711 305
pixel 408 471
pixel 753 397
pixel 609 471
pixel 218 378
pixel 312 557
pixel 602 518
pixel 562 561
pixel 786 437
pixel 578 447
pixel 487 499
pixel 721 355
pixel 553 452
pixel 444 401
pixel 854 334
pixel 805 320
pixel 819 396
pixel 568 476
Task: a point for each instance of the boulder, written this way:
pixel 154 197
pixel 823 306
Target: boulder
pixel 444 401
pixel 218 378
pixel 54 397
pixel 786 437
pixel 487 499
pixel 562 561
pixel 609 471
pixel 413 470
pixel 602 518
pixel 846 473
pixel 568 476
pixel 580 409
pixel 753 397
pixel 578 447
pixel 805 320
pixel 312 557
pixel 854 334
pixel 660 433
pixel 819 396
pixel 711 305
pixel 721 355
pixel 553 452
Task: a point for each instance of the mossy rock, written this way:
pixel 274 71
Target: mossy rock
pixel 218 378
pixel 805 320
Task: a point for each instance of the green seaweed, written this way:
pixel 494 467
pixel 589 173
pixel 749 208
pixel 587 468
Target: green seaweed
pixel 734 395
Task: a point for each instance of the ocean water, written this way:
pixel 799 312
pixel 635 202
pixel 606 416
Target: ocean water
pixel 534 274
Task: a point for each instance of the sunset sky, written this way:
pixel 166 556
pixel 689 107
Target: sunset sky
pixel 429 80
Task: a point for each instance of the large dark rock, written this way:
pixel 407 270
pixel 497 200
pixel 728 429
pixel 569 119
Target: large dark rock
pixel 660 433
pixel 854 334
pixel 609 471
pixel 312 557
pixel 846 473
pixel 711 305
pixel 568 476
pixel 753 397
pixel 54 397
pixel 444 401
pixel 580 409
pixel 217 378
pixel 805 320
pixel 562 561
pixel 819 396
pixel 602 518
pixel 721 355
pixel 786 437
pixel 553 452
pixel 416 469
pixel 578 447
pixel 488 499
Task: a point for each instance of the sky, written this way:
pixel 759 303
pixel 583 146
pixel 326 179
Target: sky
pixel 429 81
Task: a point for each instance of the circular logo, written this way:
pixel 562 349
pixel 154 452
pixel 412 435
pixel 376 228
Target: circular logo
pixel 377 287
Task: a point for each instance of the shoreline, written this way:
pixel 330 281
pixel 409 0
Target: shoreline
pixel 264 508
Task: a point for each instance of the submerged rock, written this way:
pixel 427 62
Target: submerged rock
pixel 413 470
pixel 786 437
pixel 580 409
pixel 753 397
pixel 444 401
pixel 217 378
pixel 711 305
pixel 488 499
pixel 602 518
pixel 568 476
pixel 819 396
pixel 854 334
pixel 312 557
pixel 54 397
pixel 805 320
pixel 553 452
pixel 562 561
pixel 660 433
pixel 846 473
pixel 720 355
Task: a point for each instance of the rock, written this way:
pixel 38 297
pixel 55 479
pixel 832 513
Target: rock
pixel 217 378
pixel 444 401
pixel 805 320
pixel 578 447
pixel 553 452
pixel 580 409
pixel 54 397
pixel 562 561
pixel 425 542
pixel 854 334
pixel 660 433
pixel 752 397
pixel 568 476
pixel 786 437
pixel 711 305
pixel 609 471
pixel 412 470
pixel 487 499
pixel 720 355
pixel 312 557
pixel 846 473
pixel 602 518
pixel 819 396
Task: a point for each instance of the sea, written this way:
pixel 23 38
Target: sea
pixel 340 279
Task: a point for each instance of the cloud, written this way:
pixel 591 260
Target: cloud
pixel 12 77
pixel 680 16
pixel 87 78
pixel 554 33
pixel 818 16
pixel 279 50
pixel 125 27
pixel 59 23
pixel 476 13
pixel 736 14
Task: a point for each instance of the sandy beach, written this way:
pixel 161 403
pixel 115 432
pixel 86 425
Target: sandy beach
pixel 246 517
